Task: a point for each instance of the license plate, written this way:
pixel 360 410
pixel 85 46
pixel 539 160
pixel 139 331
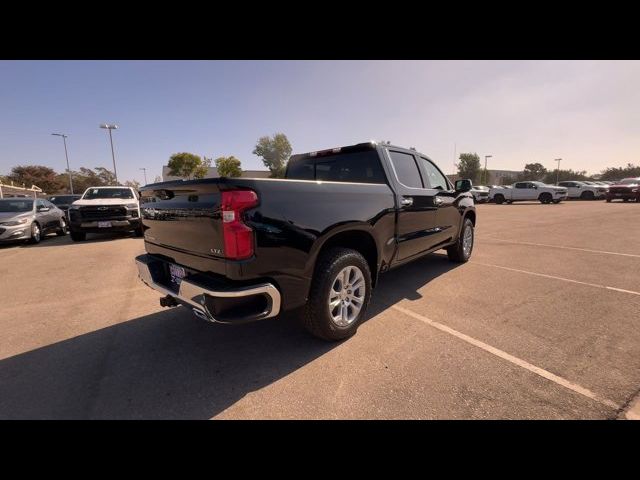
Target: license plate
pixel 177 273
pixel 104 224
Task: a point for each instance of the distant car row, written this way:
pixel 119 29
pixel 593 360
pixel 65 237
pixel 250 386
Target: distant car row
pixel 625 190
pixel 98 210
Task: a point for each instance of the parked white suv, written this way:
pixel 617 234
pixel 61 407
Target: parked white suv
pixel 105 209
pixel 522 191
pixel 583 190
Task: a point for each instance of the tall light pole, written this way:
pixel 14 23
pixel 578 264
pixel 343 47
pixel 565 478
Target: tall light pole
pixel 113 156
pixel 485 168
pixel 145 174
pixel 558 171
pixel 64 140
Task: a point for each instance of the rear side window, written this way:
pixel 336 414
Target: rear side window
pixel 357 167
pixel 522 185
pixel 406 169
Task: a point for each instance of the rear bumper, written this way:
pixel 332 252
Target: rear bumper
pixel 215 302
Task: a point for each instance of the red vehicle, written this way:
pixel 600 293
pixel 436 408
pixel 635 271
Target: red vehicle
pixel 625 189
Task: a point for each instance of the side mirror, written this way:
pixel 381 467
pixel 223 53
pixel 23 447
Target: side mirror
pixel 463 185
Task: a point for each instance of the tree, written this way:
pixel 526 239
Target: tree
pixel 469 166
pixel 533 171
pixel 228 166
pixel 188 165
pixel 563 175
pixel 275 152
pixel 106 176
pixel 618 173
pixel 133 184
pixel 43 177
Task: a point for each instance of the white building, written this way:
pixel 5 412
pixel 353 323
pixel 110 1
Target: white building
pixel 213 173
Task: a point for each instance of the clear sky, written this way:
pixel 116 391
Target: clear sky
pixel 586 112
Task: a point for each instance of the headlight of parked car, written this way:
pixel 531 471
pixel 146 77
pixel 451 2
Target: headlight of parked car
pixel 13 223
pixel 132 206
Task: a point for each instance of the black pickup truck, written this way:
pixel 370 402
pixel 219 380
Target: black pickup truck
pixel 239 249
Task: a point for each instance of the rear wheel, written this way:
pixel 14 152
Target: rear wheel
pixel 545 197
pixel 78 236
pixel 588 195
pixel 499 199
pixel 339 296
pixel 63 229
pixel 36 233
pixel 461 251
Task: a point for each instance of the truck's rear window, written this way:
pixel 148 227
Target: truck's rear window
pixel 358 167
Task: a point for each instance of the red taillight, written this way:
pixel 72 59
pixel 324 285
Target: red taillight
pixel 238 237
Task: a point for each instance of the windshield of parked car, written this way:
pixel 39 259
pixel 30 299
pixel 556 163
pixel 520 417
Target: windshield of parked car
pixel 17 206
pixel 63 199
pixel 539 184
pixel 630 181
pixel 94 193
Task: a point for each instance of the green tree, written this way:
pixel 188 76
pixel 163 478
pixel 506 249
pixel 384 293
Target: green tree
pixel 618 173
pixel 562 175
pixel 133 184
pixel 275 152
pixel 188 165
pixel 469 166
pixel 106 176
pixel 533 171
pixel 43 177
pixel 228 166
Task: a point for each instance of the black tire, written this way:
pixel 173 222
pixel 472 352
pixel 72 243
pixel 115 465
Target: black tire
pixel 608 200
pixel 556 201
pixel 588 195
pixel 545 198
pixel 456 252
pixel 78 236
pixel 63 230
pixel 36 233
pixel 316 314
pixel 139 232
pixel 625 199
pixel 499 199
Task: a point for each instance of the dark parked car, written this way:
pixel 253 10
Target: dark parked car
pixel 237 249
pixel 625 190
pixel 63 202
pixel 29 219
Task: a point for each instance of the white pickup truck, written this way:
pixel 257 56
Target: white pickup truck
pixel 523 191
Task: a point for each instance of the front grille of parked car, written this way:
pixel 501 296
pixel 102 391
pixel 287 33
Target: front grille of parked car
pixel 97 213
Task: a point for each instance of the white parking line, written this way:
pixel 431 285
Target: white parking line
pixel 557 278
pixel 604 252
pixel 510 358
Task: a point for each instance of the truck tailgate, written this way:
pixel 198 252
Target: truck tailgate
pixel 185 217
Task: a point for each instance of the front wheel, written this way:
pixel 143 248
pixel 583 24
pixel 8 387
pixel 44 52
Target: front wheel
pixel 461 251
pixel 545 198
pixel 36 233
pixel 499 199
pixel 78 236
pixel 63 229
pixel 339 296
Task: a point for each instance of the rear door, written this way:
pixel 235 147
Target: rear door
pixel 416 224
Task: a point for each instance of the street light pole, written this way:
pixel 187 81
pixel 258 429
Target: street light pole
pixel 485 168
pixel 66 154
pixel 113 156
pixel 558 171
pixel 145 174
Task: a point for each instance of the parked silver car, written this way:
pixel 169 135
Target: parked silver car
pixel 29 219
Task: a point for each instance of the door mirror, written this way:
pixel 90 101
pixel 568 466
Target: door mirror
pixel 463 185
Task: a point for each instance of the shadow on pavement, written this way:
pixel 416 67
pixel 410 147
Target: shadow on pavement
pixel 171 365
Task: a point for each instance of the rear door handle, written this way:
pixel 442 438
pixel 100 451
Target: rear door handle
pixel 406 201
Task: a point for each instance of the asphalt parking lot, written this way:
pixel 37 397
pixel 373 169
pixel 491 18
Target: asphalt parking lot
pixel 543 322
